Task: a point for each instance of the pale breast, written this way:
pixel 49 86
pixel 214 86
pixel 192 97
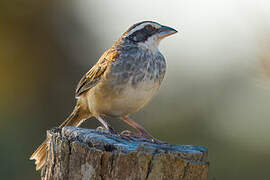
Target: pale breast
pixel 130 85
pixel 121 101
pixel 131 99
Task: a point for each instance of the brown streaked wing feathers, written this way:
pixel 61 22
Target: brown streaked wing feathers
pixel 93 76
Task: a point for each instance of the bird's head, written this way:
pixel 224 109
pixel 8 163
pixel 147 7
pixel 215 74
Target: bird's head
pixel 147 34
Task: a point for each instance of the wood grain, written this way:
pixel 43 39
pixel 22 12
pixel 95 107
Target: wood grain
pixel 82 154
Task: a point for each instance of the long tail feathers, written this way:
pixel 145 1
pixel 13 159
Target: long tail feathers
pixel 39 155
pixel 74 119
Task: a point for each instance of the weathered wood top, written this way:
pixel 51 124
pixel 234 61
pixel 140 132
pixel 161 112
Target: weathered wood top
pixel 121 143
pixel 119 157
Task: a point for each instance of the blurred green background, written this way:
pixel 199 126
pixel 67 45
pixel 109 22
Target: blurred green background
pixel 214 94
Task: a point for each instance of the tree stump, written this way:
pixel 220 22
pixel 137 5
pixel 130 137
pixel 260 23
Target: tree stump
pixel 82 154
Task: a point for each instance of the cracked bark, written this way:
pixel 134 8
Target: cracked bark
pixel 82 154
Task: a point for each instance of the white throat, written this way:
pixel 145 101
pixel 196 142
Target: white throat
pixel 151 43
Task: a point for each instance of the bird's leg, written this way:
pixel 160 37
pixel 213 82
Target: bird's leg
pixel 105 124
pixel 138 127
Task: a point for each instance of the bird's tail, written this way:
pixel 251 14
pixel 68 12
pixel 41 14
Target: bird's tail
pixel 75 119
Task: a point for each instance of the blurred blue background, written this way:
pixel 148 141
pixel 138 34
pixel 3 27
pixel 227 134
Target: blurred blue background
pixel 216 91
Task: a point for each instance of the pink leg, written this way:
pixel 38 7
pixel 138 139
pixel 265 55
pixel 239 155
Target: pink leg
pixel 105 124
pixel 136 126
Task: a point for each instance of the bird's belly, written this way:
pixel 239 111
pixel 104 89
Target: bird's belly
pixel 123 100
pixel 132 99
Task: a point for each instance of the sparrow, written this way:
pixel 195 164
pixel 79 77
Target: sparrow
pixel 123 81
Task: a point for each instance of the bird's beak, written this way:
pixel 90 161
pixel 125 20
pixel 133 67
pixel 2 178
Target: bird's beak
pixel 165 31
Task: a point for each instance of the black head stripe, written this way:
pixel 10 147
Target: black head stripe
pixel 137 24
pixel 143 34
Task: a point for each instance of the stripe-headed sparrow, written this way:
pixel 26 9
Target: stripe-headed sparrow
pixel 124 80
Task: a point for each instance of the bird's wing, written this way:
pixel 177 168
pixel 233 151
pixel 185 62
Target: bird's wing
pixel 94 75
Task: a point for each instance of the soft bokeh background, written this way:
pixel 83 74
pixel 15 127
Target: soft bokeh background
pixel 215 92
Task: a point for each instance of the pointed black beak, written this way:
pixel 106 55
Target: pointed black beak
pixel 165 31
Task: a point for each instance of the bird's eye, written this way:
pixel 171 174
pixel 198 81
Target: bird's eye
pixel 149 28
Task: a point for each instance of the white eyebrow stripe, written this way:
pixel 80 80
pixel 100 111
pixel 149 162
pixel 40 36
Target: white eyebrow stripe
pixel 141 26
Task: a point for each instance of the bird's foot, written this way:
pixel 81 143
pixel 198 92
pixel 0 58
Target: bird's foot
pixel 129 133
pixel 100 128
pixel 103 129
pixel 145 137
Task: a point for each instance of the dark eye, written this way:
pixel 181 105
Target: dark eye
pixel 149 28
pixel 139 36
